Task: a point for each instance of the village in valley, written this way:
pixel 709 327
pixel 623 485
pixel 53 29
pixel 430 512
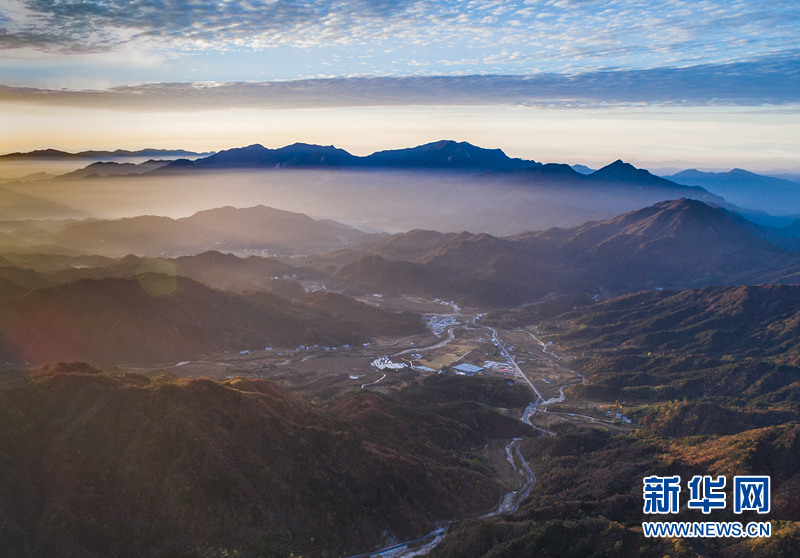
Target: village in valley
pixel 455 344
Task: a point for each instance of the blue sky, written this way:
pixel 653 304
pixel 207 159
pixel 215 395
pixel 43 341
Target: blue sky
pixel 589 59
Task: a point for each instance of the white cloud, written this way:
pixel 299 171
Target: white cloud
pixel 551 36
pixel 767 81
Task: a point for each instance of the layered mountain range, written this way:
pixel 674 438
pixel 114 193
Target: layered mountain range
pixel 445 154
pixel 445 185
pixel 746 189
pixel 189 305
pixel 493 165
pixel 679 243
pixel 674 243
pixel 680 314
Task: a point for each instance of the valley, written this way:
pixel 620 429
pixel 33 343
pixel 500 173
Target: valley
pixel 255 381
pixel 530 375
pixel 375 279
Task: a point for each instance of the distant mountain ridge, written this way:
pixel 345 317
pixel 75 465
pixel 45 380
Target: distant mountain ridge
pixel 445 154
pixel 618 173
pixel 746 189
pixel 671 244
pixel 484 187
pixel 258 156
pixel 103 169
pixel 462 187
pixel 117 153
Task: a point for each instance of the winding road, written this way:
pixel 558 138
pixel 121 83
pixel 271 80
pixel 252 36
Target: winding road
pixel 375 382
pixel 542 343
pixel 511 501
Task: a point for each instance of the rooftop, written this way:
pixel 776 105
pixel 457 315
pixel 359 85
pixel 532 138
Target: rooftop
pixel 468 368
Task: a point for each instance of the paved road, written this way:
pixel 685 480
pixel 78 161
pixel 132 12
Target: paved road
pixel 375 382
pixel 542 343
pixel 512 500
pixel 513 363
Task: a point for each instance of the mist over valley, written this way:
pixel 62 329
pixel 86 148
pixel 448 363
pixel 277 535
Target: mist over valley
pixel 438 349
pixel 445 186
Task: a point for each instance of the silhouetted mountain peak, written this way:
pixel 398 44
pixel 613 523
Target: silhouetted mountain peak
pixel 305 154
pixel 447 154
pixel 622 172
pixel 251 155
pixel 295 155
pixel 451 146
pixel 618 169
pixel 443 154
pixel 299 147
pixel 38 154
pixel 692 224
pixel 254 148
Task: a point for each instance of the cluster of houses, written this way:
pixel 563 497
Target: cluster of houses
pixel 619 417
pixel 439 324
pixel 385 363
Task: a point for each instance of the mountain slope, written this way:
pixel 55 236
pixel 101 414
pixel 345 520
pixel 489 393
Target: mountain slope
pixel 754 321
pixel 709 378
pixel 679 243
pixel 156 318
pixel 227 228
pixel 213 269
pixel 670 243
pixel 124 465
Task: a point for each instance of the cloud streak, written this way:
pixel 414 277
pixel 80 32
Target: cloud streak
pixel 554 36
pixel 88 26
pixel 767 81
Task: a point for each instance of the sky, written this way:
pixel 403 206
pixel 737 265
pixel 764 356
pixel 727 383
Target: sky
pixel 706 83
